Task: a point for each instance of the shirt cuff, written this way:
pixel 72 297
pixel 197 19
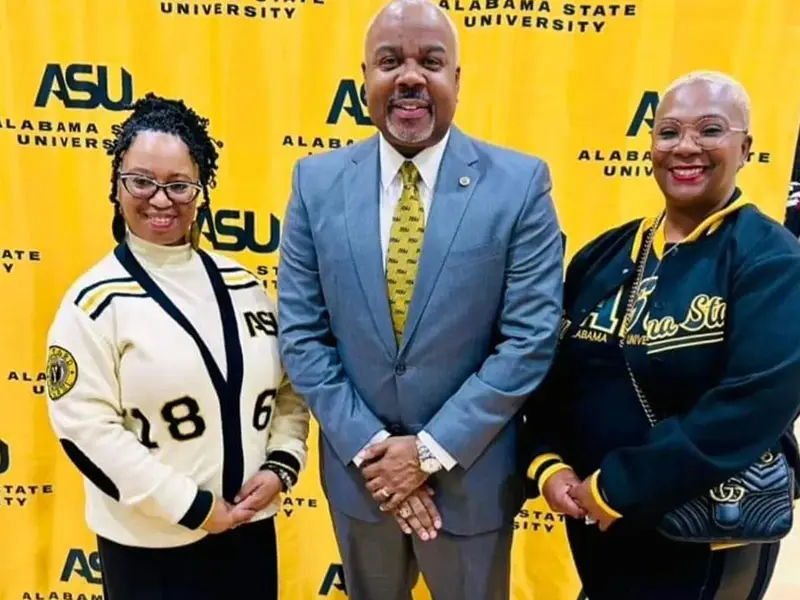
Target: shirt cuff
pixel 377 438
pixel 439 453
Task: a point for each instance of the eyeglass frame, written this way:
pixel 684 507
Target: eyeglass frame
pixel 683 127
pixel 159 186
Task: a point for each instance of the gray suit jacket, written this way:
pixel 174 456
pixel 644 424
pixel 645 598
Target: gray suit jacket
pixel 480 334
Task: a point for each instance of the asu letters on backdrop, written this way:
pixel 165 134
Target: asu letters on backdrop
pixel 573 82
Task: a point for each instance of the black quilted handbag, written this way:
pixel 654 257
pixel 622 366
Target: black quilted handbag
pixel 756 506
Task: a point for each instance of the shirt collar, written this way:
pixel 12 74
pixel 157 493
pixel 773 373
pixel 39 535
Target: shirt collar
pixel 427 162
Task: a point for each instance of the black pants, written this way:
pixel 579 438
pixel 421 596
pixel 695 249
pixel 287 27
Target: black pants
pixel 241 563
pixel 627 564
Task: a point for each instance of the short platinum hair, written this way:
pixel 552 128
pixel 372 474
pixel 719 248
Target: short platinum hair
pixel 740 97
pixel 441 11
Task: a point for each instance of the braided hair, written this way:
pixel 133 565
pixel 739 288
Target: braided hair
pixel 154 113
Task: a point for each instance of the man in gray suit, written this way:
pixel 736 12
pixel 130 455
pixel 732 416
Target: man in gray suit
pixel 419 292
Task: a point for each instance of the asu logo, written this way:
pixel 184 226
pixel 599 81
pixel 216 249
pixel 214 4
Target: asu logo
pixel 645 113
pixel 84 86
pixel 350 99
pixel 234 230
pixel 334 580
pixel 62 372
pixel 83 564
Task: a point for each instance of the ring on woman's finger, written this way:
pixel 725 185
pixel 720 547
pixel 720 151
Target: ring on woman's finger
pixel 405 511
pixel 385 493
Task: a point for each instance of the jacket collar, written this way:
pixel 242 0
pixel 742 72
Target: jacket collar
pixel 711 224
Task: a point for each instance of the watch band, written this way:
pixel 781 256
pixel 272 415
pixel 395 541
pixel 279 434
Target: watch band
pixel 423 451
pixel 428 462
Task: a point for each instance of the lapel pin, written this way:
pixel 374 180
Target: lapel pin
pixel 464 181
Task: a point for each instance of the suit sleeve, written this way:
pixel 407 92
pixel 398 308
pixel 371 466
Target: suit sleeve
pixel 528 325
pixel 87 417
pixel 753 405
pixel 308 348
pixel 289 431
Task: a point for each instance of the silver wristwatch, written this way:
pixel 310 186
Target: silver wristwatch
pixel 428 463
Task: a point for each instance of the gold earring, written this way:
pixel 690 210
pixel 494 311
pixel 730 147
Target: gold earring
pixel 194 235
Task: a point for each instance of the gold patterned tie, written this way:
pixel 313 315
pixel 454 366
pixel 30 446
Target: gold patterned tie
pixel 405 245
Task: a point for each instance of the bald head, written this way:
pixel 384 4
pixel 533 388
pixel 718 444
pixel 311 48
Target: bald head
pixel 396 12
pixel 718 87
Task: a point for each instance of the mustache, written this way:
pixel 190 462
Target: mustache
pixel 410 94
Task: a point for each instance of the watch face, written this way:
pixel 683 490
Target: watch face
pixel 429 465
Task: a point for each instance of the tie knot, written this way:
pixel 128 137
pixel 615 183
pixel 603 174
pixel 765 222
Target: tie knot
pixel 409 174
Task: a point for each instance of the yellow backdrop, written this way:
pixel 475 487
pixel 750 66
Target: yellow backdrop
pixel 575 83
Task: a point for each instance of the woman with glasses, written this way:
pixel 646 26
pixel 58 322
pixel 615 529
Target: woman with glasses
pixel 165 385
pixel 667 393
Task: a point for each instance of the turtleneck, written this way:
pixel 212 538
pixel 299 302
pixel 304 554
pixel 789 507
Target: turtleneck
pixel 158 255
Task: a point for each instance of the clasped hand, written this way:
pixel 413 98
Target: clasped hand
pixel 256 494
pixel 565 493
pixel 395 480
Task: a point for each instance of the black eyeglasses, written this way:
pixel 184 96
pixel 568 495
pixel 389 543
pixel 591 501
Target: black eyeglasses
pixel 142 187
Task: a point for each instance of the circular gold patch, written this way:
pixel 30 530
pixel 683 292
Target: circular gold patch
pixel 62 372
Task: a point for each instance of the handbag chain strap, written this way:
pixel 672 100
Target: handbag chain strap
pixel 628 320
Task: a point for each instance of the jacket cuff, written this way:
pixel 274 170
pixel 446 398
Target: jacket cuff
pixel 283 460
pixel 548 472
pixel 599 496
pixel 200 510
pixel 541 465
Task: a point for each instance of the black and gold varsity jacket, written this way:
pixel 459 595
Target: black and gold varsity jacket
pixel 714 344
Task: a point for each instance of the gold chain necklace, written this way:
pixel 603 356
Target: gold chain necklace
pixel 674 247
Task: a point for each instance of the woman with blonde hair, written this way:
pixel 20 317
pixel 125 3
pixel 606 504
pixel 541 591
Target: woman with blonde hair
pixel 677 378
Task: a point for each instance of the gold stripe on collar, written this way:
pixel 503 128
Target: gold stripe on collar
pixel 713 221
pixel 707 227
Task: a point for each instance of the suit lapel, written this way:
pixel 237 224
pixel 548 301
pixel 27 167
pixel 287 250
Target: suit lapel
pixel 455 185
pixel 362 200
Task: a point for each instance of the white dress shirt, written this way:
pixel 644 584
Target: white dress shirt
pixel 427 162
